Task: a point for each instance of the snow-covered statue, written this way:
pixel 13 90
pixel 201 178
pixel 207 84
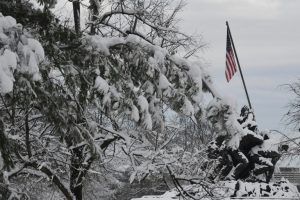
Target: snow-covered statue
pixel 265 156
pixel 238 146
pixel 247 119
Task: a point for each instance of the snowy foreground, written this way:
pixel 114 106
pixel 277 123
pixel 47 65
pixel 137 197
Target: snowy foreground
pixel 240 190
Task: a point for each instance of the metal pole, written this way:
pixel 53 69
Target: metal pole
pixel 238 62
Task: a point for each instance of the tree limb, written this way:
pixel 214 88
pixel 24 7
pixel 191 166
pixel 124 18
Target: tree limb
pixel 53 177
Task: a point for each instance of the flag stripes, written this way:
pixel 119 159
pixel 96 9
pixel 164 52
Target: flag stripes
pixel 230 60
pixel 231 57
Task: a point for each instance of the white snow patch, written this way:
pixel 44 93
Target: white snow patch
pixel 114 92
pixel 6 22
pixel 33 66
pixel 267 145
pixel 180 61
pixel 153 65
pixel 101 85
pixel 29 54
pixel 56 77
pixel 224 189
pixel 4 39
pixel 143 103
pixel 236 132
pixel 135 113
pixel 163 82
pixel 147 121
pixel 37 48
pixel 198 97
pixel 102 44
pixel 196 73
pixel 148 87
pixel 10 59
pixel 187 107
pixel 159 53
pixel 8 63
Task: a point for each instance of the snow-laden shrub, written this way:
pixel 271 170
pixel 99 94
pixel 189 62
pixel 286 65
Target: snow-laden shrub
pixel 17 53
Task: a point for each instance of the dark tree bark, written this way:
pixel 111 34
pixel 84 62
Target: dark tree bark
pixel 75 170
pixel 78 171
pixel 94 13
pixel 76 12
pixel 4 148
pixel 27 138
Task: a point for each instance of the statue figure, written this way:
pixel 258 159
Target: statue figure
pixel 222 117
pixel 247 119
pixel 266 156
pixel 239 146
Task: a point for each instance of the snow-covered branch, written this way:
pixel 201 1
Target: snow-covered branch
pixel 52 176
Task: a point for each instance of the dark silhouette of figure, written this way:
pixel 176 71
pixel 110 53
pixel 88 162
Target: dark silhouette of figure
pixel 247 119
pixel 253 149
pixel 217 150
pixel 266 155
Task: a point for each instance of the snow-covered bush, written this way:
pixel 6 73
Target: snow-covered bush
pixel 18 53
pixel 20 56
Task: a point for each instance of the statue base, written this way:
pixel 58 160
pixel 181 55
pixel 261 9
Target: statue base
pixel 280 189
pixel 228 190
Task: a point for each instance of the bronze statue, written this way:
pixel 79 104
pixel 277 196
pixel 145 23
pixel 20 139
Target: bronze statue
pixel 239 146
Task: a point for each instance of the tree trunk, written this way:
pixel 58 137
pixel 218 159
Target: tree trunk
pixel 77 192
pixel 4 148
pixel 76 12
pixel 27 135
pixel 94 12
pixel 75 173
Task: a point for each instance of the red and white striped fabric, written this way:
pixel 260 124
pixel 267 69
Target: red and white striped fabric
pixel 230 60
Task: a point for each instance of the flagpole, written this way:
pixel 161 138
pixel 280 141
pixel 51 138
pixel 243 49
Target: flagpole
pixel 237 59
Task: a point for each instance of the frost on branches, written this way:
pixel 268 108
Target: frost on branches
pixel 63 116
pixel 149 78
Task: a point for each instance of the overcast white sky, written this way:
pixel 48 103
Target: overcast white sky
pixel 267 38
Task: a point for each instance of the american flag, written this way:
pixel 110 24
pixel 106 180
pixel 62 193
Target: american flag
pixel 230 61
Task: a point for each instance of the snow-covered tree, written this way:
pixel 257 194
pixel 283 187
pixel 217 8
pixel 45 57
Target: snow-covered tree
pixel 63 110
pixel 293 116
pixel 290 142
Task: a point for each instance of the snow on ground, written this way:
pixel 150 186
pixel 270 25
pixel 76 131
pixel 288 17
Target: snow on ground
pixel 167 196
pixel 225 189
